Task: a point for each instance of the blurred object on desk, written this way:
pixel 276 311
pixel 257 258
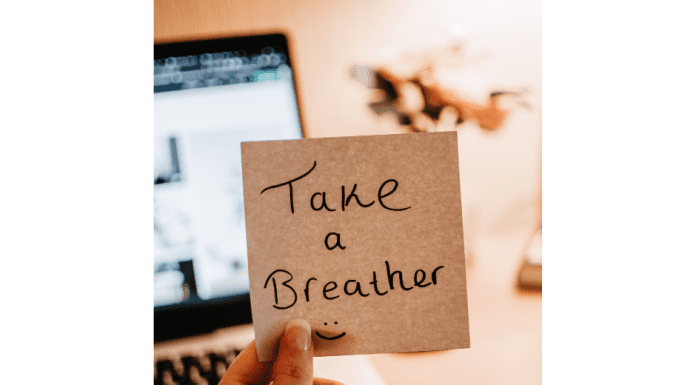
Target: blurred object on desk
pixel 530 272
pixel 420 90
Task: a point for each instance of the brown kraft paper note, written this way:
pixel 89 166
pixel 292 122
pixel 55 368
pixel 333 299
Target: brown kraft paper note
pixel 360 236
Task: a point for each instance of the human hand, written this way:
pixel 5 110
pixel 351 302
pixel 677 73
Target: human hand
pixel 293 365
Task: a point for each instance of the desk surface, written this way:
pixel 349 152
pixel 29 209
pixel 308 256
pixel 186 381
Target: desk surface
pixel 505 326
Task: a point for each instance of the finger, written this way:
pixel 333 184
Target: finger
pixel 324 381
pixel 294 365
pixel 246 369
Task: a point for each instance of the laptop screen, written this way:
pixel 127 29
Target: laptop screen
pixel 209 96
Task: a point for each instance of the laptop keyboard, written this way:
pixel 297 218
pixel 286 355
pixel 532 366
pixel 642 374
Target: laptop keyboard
pixel 206 368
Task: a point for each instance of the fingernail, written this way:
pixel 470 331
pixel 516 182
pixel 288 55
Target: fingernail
pixel 298 334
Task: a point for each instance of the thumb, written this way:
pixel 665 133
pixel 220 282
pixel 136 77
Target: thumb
pixel 294 365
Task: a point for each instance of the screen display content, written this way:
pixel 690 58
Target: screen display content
pixel 208 98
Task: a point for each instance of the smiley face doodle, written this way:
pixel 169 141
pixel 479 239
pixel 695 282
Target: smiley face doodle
pixel 330 338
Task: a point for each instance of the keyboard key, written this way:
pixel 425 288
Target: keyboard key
pixel 194 368
pixel 167 378
pixel 206 366
pixel 231 355
pixel 217 371
pixel 220 369
pixel 179 369
pixel 195 376
pixel 163 366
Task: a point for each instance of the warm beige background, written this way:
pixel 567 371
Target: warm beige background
pixel 500 172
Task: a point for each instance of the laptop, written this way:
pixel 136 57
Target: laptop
pixel 209 96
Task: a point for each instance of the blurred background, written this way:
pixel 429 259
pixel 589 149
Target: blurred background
pixel 477 47
pixel 388 67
